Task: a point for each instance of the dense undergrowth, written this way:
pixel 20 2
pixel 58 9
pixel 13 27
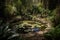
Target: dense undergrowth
pixel 17 11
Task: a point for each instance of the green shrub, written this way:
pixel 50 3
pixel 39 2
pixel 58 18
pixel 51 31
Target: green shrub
pixel 7 33
pixel 53 34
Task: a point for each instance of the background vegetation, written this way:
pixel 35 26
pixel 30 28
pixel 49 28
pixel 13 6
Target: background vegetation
pixel 14 12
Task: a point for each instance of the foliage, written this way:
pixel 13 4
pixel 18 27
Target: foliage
pixel 42 27
pixel 55 18
pixel 53 34
pixel 25 10
pixel 8 33
pixel 41 10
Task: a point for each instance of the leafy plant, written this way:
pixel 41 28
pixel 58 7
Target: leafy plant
pixel 53 34
pixel 7 33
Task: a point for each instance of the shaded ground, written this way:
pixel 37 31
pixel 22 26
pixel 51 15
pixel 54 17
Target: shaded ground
pixel 37 35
